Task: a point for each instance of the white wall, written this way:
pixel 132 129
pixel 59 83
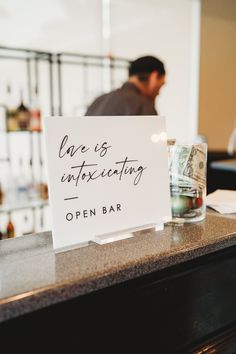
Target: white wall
pixel 54 25
pixel 168 29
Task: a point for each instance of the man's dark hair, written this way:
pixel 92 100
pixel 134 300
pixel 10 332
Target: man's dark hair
pixel 143 66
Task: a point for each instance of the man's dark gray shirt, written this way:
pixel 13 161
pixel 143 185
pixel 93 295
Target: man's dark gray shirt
pixel 126 100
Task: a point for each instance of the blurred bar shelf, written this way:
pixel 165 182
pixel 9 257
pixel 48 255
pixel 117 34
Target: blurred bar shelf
pixel 38 203
pixel 20 131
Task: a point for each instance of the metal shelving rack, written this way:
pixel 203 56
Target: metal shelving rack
pixel 107 64
pixel 31 58
pixel 57 64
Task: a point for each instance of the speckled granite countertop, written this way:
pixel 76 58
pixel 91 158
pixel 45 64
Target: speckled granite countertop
pixel 32 276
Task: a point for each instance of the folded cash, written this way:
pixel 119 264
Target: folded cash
pixel 187 165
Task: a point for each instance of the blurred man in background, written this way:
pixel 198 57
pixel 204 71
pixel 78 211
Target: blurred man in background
pixel 137 95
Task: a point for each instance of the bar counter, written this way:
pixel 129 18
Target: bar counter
pixel 170 275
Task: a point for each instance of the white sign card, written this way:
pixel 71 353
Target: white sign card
pixel 106 174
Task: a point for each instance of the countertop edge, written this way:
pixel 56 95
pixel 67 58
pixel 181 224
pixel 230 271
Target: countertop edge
pixel 41 298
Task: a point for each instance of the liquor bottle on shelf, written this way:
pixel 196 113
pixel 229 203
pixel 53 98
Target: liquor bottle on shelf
pixel 21 183
pixel 35 120
pixel 33 193
pixel 1 194
pixel 10 189
pixel 11 116
pixel 27 228
pixel 10 228
pixel 23 114
pixel 43 186
pixel 43 190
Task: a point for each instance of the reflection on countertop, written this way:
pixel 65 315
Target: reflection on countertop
pixel 26 263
